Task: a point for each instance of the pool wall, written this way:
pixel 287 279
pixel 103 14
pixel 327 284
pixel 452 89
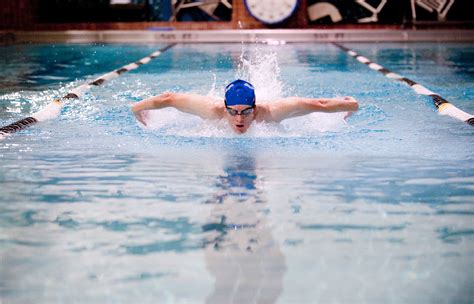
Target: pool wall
pixel 329 35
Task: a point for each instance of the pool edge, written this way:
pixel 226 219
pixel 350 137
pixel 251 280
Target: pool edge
pixel 226 36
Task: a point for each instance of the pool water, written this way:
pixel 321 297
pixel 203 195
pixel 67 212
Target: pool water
pixel 95 208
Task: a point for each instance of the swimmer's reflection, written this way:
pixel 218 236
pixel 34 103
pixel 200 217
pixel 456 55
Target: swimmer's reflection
pixel 240 251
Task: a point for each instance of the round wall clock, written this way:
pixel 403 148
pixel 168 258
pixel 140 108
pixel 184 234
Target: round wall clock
pixel 271 11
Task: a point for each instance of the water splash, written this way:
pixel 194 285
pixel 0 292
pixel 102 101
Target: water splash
pixel 213 92
pixel 262 70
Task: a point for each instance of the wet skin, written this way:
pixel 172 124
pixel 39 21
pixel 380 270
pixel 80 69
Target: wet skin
pixel 240 122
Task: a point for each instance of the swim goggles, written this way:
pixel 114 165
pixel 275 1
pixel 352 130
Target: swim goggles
pixel 244 112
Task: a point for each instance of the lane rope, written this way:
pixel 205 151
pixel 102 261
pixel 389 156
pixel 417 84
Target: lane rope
pixel 53 109
pixel 443 106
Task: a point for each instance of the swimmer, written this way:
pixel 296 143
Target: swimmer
pixel 239 107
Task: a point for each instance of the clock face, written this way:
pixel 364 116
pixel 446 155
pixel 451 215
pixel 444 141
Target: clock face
pixel 271 11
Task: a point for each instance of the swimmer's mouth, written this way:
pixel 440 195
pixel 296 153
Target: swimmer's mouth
pixel 239 126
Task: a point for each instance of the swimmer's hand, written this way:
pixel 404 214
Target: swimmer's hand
pixel 351 100
pixel 349 113
pixel 140 115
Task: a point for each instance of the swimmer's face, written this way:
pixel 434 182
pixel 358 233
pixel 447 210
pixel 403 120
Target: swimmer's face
pixel 240 117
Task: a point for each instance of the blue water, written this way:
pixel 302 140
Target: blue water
pixel 96 209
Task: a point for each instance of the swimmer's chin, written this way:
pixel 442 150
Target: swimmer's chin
pixel 240 130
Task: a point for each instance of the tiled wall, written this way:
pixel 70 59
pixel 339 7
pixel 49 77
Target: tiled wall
pixel 22 15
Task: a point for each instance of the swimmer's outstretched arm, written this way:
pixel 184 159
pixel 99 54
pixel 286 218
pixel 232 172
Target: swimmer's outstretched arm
pixel 298 106
pixel 202 106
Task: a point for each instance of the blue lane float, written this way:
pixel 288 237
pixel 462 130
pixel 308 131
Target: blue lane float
pixel 444 107
pixel 53 109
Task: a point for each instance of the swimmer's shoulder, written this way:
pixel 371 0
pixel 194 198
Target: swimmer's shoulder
pixel 217 107
pixel 263 112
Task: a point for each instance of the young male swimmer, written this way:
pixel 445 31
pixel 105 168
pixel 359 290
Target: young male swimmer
pixel 239 107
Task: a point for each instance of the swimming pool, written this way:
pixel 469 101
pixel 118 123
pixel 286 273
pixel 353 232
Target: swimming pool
pixel 97 209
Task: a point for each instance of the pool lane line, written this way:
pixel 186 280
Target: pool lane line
pixel 53 109
pixel 444 107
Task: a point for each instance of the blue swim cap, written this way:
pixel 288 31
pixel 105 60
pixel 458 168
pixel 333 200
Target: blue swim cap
pixel 239 92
